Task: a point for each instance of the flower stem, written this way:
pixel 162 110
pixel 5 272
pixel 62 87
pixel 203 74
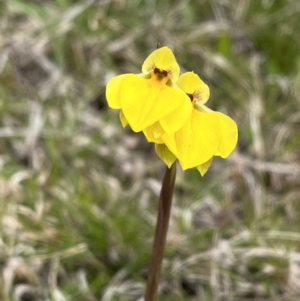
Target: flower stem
pixel 162 223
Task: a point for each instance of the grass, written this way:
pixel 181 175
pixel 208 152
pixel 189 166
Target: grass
pixel 79 194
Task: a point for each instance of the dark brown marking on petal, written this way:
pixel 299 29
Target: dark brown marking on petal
pixel 160 72
pixel 191 96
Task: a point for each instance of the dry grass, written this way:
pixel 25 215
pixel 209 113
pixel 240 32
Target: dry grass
pixel 78 193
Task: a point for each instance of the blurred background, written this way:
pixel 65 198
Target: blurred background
pixel 78 193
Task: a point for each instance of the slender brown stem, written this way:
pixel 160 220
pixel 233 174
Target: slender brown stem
pixel 162 223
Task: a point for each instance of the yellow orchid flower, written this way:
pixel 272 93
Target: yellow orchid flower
pixel 206 133
pixel 151 97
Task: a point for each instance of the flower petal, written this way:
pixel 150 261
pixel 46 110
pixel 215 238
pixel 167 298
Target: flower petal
pixel 191 84
pixel 175 121
pixel 203 168
pixel 154 132
pixel 229 135
pixel 113 91
pixel 164 154
pixel 197 141
pixel 144 103
pixel 123 119
pixel 163 59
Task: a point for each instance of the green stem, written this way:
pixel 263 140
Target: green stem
pixel 162 223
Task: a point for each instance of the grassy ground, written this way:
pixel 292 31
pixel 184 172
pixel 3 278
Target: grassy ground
pixel 78 194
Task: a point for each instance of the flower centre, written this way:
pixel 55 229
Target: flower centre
pixel 159 77
pixel 160 73
pixel 191 97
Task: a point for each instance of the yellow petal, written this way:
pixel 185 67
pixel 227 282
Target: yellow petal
pixel 175 121
pixel 170 141
pixel 144 103
pixel 229 131
pixel 154 132
pixel 163 59
pixel 202 108
pixel 123 119
pixel 164 154
pixel 229 136
pixel 203 168
pixel 197 141
pixel 191 84
pixel 113 91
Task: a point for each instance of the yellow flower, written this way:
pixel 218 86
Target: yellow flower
pixel 151 97
pixel 206 133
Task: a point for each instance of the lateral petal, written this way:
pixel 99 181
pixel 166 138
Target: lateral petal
pixel 163 59
pixel 164 154
pixel 154 132
pixel 144 103
pixel 123 119
pixel 113 91
pixel 203 168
